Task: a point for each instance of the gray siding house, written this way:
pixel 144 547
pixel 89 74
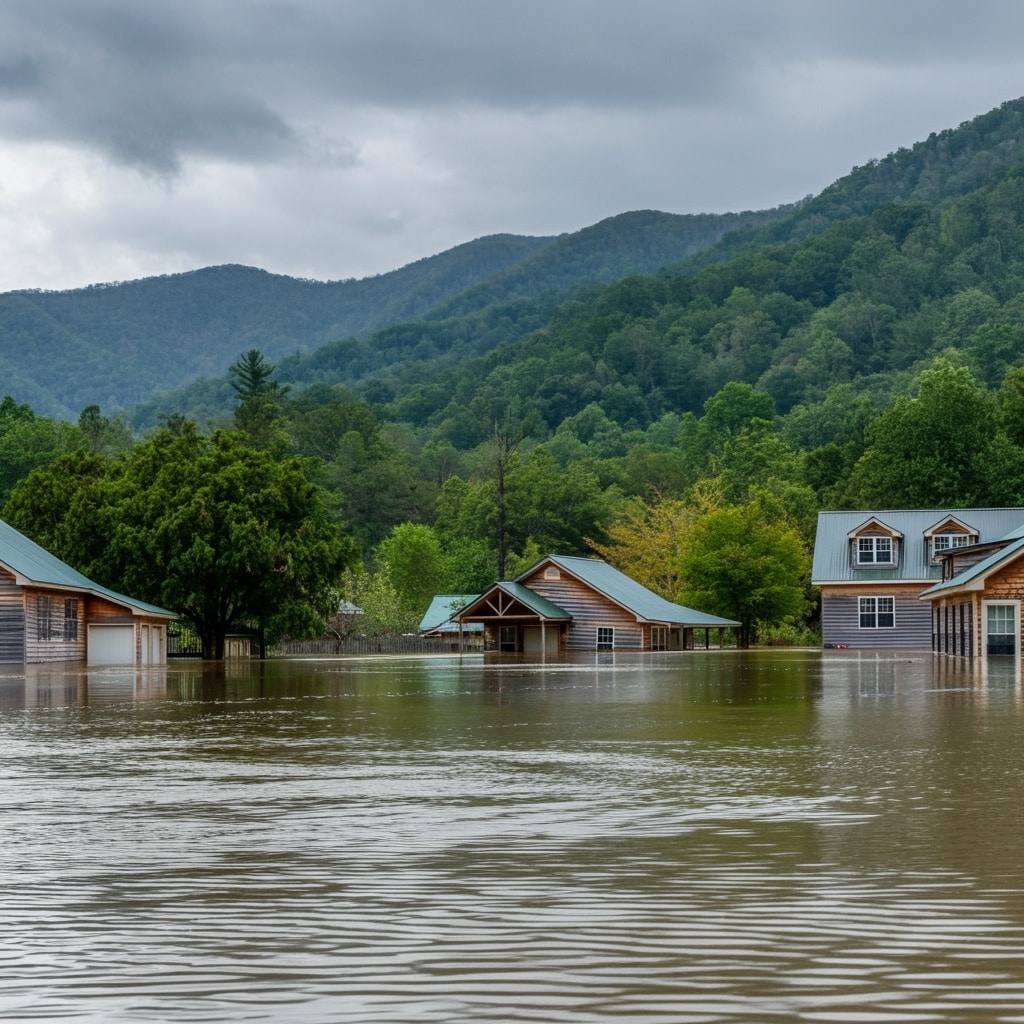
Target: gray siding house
pixel 872 567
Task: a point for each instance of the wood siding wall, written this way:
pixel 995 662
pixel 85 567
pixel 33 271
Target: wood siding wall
pixel 12 621
pixel 589 610
pixel 840 617
pixel 42 651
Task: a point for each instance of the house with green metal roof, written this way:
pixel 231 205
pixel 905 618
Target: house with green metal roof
pixel 50 612
pixel 568 603
pixel 873 566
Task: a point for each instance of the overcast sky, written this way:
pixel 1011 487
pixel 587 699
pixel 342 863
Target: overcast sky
pixel 332 139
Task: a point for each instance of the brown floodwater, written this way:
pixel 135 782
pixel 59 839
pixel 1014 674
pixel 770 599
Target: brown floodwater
pixel 714 836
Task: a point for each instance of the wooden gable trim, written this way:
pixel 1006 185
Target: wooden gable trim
pixel 951 525
pixel 874 525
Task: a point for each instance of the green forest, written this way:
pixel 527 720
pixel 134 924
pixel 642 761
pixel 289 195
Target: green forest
pixel 862 349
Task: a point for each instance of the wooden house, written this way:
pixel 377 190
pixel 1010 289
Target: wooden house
pixel 873 567
pixel 51 613
pixel 976 609
pixel 582 604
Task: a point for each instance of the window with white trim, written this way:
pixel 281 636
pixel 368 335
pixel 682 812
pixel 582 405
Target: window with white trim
pixel 877 612
pixel 947 541
pixel 605 638
pixel 874 550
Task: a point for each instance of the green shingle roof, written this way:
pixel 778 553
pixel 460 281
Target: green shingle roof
pixel 32 564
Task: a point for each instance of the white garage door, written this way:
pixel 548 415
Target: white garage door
pixel 111 645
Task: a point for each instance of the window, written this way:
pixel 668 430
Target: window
pixel 605 638
pixel 1000 628
pixel 947 541
pixel 43 617
pixel 874 550
pixel 50 625
pixel 552 573
pixel 508 638
pixel 877 612
pixel 659 638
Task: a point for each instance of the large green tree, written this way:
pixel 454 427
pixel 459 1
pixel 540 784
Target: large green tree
pixel 203 525
pixel 744 562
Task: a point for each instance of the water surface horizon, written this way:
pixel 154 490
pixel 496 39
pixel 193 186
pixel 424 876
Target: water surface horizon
pixel 777 835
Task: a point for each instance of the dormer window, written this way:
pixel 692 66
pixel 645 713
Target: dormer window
pixel 947 541
pixel 874 550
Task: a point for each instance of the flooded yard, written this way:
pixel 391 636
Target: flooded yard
pixel 706 836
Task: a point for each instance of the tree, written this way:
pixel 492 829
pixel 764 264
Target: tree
pixel 206 526
pixel 648 542
pixel 930 451
pixel 745 564
pixel 415 563
pixel 259 398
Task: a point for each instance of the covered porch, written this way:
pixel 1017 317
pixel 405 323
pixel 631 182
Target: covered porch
pixel 515 619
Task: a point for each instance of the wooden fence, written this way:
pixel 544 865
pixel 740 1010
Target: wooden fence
pixel 326 647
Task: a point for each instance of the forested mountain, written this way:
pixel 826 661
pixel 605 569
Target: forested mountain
pixel 115 345
pixel 865 348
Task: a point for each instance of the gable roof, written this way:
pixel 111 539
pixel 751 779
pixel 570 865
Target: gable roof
pixel 438 617
pixel 832 562
pixel 534 603
pixel 32 565
pixel 626 592
pixel 973 577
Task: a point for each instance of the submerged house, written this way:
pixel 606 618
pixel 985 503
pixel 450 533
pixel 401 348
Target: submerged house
pixel 976 609
pixel 582 604
pixel 49 612
pixel 873 568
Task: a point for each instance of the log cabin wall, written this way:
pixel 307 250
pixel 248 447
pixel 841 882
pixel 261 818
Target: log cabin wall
pixel 12 621
pixel 589 610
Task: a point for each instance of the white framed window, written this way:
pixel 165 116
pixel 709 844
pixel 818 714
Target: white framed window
pixel 659 638
pixel 999 627
pixel 947 541
pixel 605 638
pixel 877 612
pixel 874 550
pixel 552 573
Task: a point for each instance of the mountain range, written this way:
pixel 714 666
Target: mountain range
pixel 901 237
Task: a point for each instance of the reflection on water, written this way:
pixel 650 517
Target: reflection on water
pixel 722 836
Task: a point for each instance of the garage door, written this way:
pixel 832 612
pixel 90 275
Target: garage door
pixel 111 645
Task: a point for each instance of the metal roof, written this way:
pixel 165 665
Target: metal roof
pixel 832 562
pixel 975 574
pixel 534 602
pixel 33 565
pixel 634 597
pixel 438 617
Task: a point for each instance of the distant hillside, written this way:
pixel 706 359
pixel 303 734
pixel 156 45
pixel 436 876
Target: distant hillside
pixel 117 345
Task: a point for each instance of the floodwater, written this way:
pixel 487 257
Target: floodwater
pixel 715 836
